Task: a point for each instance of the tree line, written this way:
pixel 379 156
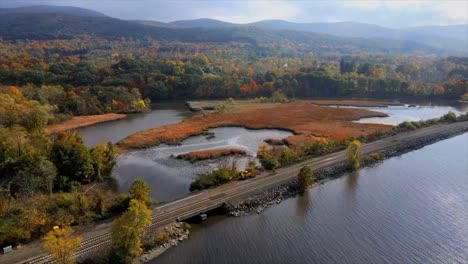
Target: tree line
pixel 92 76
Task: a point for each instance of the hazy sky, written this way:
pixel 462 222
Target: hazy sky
pixel 386 13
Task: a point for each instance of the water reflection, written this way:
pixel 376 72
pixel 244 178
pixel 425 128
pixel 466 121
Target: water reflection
pixel 351 180
pixel 114 131
pixel 303 202
pixel 169 177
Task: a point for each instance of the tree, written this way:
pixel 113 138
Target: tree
pixel 156 90
pixel 104 155
pixel 128 230
pixel 267 159
pixel 62 245
pixel 72 159
pixel 354 153
pixel 305 178
pixel 140 191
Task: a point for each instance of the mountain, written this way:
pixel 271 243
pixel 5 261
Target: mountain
pixel 46 9
pixel 453 38
pixel 203 22
pixel 346 29
pixel 17 26
pixel 153 23
pixel 459 32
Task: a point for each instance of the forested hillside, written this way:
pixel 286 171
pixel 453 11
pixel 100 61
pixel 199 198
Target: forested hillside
pixel 98 64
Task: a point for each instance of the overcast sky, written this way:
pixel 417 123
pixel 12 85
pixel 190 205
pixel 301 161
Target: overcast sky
pixel 386 13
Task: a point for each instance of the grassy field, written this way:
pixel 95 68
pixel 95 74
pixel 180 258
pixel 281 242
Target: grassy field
pixel 306 120
pixel 82 121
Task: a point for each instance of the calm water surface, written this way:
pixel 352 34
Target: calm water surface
pixel 398 114
pixel 408 209
pixel 169 177
pixel 114 131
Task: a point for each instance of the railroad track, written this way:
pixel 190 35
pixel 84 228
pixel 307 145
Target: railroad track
pixel 204 201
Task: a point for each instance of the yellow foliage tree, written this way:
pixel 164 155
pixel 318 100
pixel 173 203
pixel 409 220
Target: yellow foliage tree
pixel 128 230
pixel 62 245
pixel 354 153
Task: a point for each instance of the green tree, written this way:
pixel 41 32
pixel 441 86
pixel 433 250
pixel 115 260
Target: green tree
pixel 128 230
pixel 72 159
pixel 354 153
pixel 305 178
pixel 156 91
pixel 140 191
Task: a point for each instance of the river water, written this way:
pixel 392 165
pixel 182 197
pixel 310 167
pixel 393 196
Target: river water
pixel 170 178
pixel 408 209
pixel 407 112
pixel 114 131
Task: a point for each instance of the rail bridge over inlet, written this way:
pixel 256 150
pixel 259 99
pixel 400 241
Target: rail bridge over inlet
pixel 204 201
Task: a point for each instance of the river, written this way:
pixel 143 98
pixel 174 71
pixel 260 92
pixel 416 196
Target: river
pixel 409 209
pixel 170 178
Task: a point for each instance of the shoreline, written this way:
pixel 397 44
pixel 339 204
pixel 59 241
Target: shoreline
pixel 309 122
pixel 257 203
pixel 83 121
pixel 275 195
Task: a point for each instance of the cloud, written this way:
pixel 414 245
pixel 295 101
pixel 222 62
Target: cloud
pixel 390 13
pixel 251 11
pixel 426 12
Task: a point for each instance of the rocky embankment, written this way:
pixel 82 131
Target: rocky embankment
pixel 260 201
pixel 167 237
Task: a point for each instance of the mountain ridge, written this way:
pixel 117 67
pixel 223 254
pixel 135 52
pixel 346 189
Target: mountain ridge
pixel 48 9
pixel 46 22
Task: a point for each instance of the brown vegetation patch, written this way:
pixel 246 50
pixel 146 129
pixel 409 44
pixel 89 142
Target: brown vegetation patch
pixel 82 121
pixel 300 117
pixel 210 154
pixel 275 141
pixel 359 103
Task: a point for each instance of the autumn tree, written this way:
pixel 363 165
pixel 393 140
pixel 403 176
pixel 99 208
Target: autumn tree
pixel 139 190
pixel 128 230
pixel 62 245
pixel 103 156
pixel 305 178
pixel 354 153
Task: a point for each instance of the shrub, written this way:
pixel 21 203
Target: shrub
pixel 288 156
pixel 163 238
pixel 461 118
pixel 279 97
pixel 305 178
pixel 375 157
pixel 354 154
pixel 223 174
pixel 450 117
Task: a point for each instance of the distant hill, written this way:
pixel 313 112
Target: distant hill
pixel 347 29
pixel 453 38
pixel 202 22
pixel 459 32
pixel 16 26
pixel 153 23
pixel 46 9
